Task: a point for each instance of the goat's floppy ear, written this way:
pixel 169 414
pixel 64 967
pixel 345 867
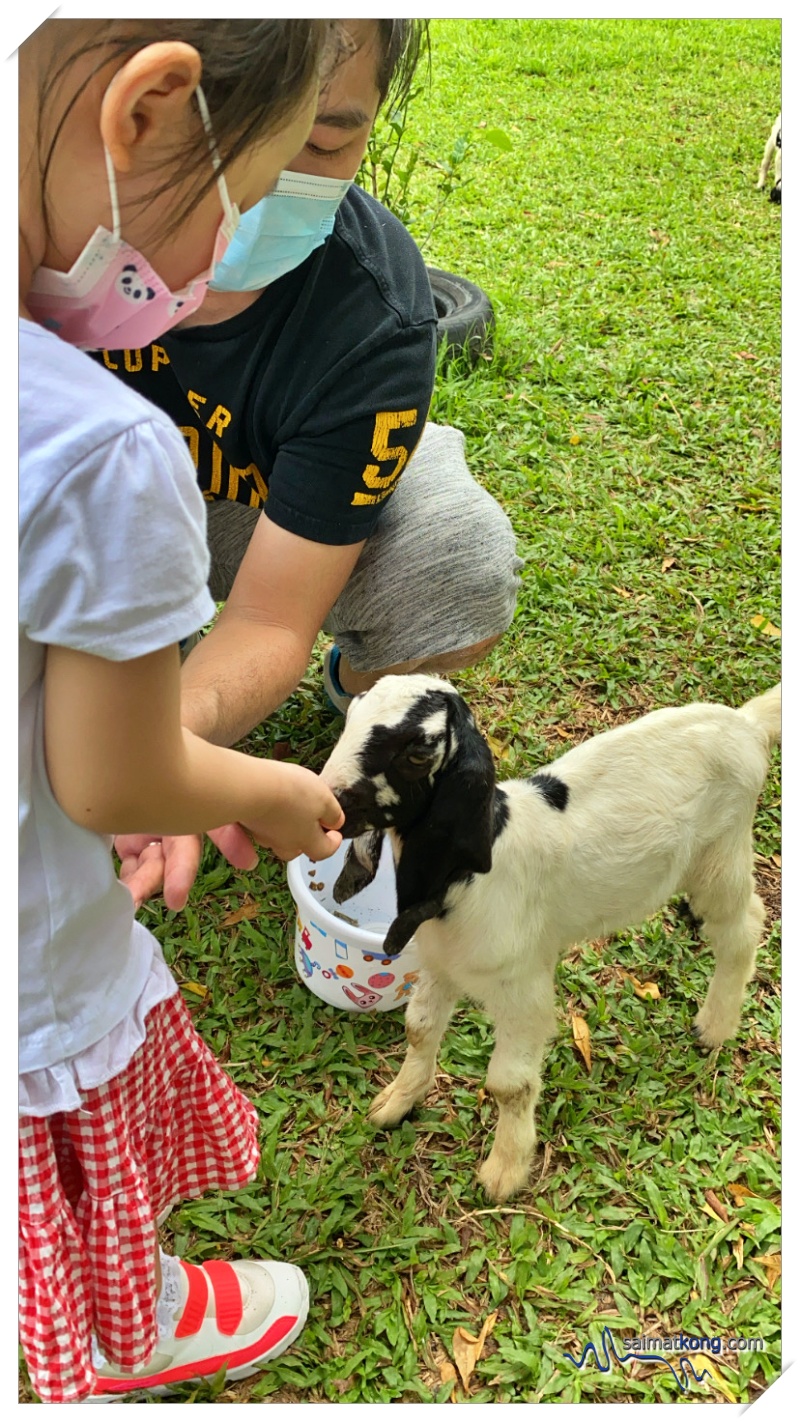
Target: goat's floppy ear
pixel 360 866
pixel 453 839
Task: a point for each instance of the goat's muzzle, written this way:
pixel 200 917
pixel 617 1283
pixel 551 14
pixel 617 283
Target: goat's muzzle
pixel 360 810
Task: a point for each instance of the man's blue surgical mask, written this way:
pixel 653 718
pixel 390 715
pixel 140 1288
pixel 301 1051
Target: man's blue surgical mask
pixel 278 234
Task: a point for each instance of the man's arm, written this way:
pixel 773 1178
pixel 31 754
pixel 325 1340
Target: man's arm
pixel 260 645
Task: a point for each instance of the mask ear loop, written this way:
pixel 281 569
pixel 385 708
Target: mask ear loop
pixel 231 212
pixel 112 189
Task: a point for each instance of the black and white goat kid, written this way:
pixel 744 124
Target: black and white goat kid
pixel 496 881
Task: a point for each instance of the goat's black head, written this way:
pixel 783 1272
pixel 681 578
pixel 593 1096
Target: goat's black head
pixel 411 759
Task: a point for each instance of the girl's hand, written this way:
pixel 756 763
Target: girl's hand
pixel 168 781
pixel 150 861
pixel 303 815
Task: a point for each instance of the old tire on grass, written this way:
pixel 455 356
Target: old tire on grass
pixel 465 316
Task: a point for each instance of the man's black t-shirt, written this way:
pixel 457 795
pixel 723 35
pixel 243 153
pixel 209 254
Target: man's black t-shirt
pixel 313 398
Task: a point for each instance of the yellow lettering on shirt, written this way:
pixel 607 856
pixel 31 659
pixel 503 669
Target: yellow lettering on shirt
pixel 258 495
pixel 385 422
pixel 133 361
pixel 108 362
pixel 216 469
pixel 158 356
pixel 219 421
pixel 192 437
pixel 221 480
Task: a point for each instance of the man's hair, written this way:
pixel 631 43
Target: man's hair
pixel 401 45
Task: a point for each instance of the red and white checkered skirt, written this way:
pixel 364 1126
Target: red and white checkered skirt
pixel 171 1126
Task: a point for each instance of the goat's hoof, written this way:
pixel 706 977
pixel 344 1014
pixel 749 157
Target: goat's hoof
pixel 712 1032
pixel 391 1106
pixel 501 1180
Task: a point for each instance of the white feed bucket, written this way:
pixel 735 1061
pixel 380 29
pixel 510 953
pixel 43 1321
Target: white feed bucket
pixel 338 948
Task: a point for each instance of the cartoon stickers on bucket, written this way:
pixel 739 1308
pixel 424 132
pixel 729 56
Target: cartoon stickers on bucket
pixel 358 994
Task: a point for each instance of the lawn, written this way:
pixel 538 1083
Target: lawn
pixel 628 420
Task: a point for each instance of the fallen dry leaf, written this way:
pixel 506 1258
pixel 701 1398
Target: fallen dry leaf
pixel 467 1349
pixel 741 1193
pixel 237 916
pixel 763 625
pixel 716 1379
pixel 776 859
pixel 644 990
pixel 447 1372
pixel 196 988
pixel 738 1252
pixel 582 1039
pixel 498 749
pixel 712 1214
pixel 717 1206
pixel 623 592
pixel 667 563
pixel 772 1267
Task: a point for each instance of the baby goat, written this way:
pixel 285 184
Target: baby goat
pixel 773 146
pixel 495 881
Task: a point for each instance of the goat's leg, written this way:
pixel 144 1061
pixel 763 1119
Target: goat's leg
pixel 734 941
pixel 764 169
pixel 524 1025
pixel 427 1015
pixel 733 922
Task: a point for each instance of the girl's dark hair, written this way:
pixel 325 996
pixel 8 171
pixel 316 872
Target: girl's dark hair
pixel 255 75
pixel 401 46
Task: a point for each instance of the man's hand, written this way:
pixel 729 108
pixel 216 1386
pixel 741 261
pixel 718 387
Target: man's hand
pixel 173 860
pixel 260 645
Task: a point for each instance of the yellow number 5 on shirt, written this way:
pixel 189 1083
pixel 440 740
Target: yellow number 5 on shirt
pixel 385 422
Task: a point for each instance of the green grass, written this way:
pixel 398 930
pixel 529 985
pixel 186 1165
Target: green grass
pixel 628 420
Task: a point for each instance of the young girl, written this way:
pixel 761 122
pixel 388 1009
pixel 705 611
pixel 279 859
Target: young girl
pixel 140 140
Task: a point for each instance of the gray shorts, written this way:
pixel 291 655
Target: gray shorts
pixel 439 573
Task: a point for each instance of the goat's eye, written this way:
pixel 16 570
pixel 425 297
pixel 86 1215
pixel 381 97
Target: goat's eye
pixel 418 759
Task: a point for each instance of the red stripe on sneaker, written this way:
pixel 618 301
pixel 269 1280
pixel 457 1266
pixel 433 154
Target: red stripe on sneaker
pixel 258 1352
pixel 194 1310
pixel 227 1293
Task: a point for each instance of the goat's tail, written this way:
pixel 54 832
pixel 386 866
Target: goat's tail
pixel 764 712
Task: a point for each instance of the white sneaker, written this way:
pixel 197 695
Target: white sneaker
pixel 237 1315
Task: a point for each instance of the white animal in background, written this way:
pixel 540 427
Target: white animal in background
pixel 495 881
pixel 773 147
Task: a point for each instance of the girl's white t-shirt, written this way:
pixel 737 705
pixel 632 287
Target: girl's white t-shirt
pixel 113 561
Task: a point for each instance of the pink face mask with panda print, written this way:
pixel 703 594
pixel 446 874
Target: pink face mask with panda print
pixel 111 298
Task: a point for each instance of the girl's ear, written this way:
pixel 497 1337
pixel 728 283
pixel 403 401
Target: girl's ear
pixel 453 839
pixel 360 866
pixel 145 104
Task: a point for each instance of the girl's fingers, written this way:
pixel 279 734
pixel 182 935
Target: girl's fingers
pixel 327 844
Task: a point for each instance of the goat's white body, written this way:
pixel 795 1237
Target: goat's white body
pixel 659 807
pixel 646 802
pixel 772 149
